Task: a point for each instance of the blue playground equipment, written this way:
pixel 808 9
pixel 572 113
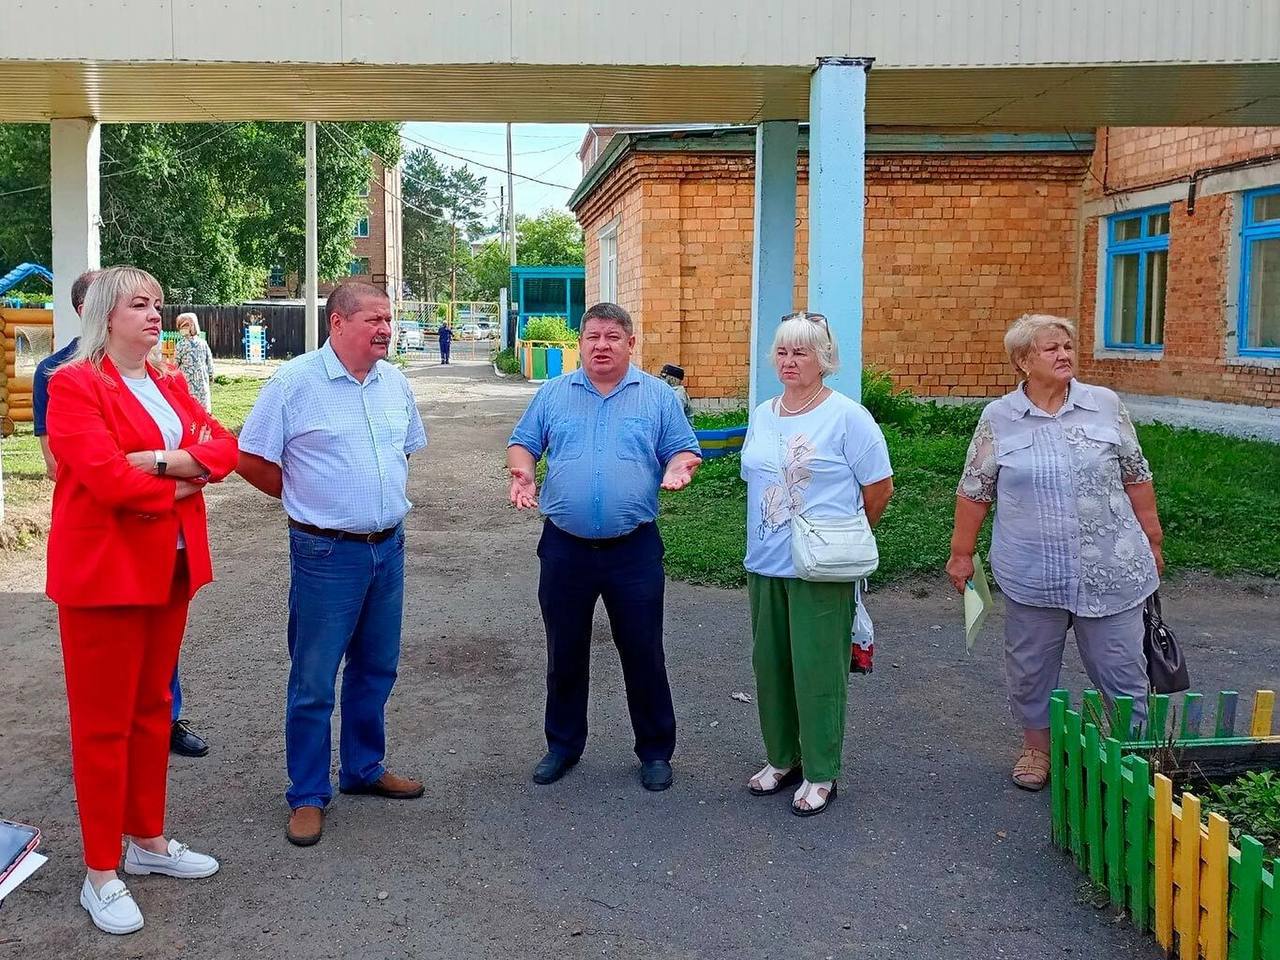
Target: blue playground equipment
pixel 21 272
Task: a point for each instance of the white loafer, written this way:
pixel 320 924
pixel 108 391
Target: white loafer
pixel 181 861
pixel 111 909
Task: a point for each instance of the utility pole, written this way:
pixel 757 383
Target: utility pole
pixel 311 326
pixel 511 198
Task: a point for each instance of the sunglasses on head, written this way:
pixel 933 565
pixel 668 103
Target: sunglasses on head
pixel 812 318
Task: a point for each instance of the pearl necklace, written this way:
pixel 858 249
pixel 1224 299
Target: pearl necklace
pixel 801 408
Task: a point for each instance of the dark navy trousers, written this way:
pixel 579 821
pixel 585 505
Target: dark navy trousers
pixel 626 572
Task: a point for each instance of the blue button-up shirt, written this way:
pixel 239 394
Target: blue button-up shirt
pixel 605 454
pixel 342 445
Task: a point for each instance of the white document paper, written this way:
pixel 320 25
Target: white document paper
pixel 977 601
pixel 26 867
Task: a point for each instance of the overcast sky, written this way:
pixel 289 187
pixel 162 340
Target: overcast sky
pixel 544 151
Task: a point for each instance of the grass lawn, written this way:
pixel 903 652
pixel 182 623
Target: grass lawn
pixel 26 489
pixel 1217 499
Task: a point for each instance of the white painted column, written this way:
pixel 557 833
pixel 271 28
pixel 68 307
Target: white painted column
pixel 74 150
pixel 837 192
pixel 773 250
pixel 310 281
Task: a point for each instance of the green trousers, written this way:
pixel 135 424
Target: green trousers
pixel 801 633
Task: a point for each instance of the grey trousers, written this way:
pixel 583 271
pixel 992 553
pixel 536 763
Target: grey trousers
pixel 1111 648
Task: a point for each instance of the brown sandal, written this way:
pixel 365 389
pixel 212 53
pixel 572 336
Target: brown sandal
pixel 1031 772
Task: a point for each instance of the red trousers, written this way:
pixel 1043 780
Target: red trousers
pixel 119 662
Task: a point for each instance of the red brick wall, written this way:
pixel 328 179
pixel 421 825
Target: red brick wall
pixel 956 248
pixel 1200 302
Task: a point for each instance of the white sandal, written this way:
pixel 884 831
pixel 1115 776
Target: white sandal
pixel 772 779
pixel 816 797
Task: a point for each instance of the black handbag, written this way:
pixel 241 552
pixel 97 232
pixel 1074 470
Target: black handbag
pixel 1166 666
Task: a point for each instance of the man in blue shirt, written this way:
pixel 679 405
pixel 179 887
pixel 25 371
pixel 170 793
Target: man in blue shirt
pixel 612 436
pixel 331 435
pixel 445 333
pixel 182 739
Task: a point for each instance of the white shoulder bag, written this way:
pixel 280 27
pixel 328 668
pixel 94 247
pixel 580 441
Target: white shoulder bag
pixel 831 549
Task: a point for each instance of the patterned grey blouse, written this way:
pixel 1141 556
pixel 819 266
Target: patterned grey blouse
pixel 1065 534
pixel 195 360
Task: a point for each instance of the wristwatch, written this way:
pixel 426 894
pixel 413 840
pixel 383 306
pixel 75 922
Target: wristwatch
pixel 161 463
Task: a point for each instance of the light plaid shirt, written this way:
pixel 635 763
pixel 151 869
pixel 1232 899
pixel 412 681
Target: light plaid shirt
pixel 342 445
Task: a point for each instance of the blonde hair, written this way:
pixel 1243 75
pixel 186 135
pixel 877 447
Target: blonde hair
pixel 1020 339
pixel 107 289
pixel 188 323
pixel 804 330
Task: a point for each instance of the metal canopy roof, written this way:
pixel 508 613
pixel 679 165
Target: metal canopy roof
pixel 1008 97
pixel 1007 63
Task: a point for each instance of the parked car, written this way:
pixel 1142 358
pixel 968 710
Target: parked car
pixel 408 335
pixel 487 330
pixel 469 331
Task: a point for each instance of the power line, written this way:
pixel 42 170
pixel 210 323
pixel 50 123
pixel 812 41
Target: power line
pixel 486 166
pixel 386 165
pixel 436 144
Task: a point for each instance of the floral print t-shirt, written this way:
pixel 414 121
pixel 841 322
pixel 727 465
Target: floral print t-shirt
pixel 195 360
pixel 816 463
pixel 1065 535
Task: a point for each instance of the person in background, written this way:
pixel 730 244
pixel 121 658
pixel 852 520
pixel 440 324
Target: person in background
pixel 817 452
pixel 182 739
pixel 1076 542
pixel 195 360
pixel 612 436
pixel 673 376
pixel 446 342
pixel 331 435
pixel 128 549
pixel 45 369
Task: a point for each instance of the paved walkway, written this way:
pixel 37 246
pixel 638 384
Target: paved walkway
pixel 928 853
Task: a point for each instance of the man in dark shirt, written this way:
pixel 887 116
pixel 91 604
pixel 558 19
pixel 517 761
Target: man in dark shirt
pixel 182 739
pixel 446 341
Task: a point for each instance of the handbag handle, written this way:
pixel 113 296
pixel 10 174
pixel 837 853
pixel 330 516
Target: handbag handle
pixel 1153 607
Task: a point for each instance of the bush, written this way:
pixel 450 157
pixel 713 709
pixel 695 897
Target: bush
pixel 550 329
pixel 720 420
pixel 1252 804
pixel 506 362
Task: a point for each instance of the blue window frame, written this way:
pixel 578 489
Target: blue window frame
pixel 276 279
pixel 1137 271
pixel 1259 326
pixel 358 267
pixel 361 228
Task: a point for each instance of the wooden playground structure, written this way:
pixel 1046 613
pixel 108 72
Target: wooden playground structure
pixel 26 336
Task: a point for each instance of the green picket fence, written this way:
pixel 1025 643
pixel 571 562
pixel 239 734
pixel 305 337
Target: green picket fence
pixel 1172 874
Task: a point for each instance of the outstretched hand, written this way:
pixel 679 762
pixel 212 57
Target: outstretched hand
pixel 524 490
pixel 680 471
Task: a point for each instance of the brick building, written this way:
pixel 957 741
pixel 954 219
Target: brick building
pixel 377 241
pixel 964 232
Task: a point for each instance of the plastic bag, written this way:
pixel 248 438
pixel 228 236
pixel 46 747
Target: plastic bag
pixel 862 643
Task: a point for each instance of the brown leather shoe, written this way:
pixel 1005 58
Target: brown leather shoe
pixel 305 826
pixel 390 786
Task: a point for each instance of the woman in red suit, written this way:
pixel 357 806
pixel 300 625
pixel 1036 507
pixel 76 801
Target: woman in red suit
pixel 127 550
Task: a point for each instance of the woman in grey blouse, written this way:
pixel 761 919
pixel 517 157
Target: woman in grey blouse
pixel 195 360
pixel 1076 541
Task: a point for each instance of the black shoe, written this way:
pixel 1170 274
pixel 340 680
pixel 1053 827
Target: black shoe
pixel 552 767
pixel 655 775
pixel 184 742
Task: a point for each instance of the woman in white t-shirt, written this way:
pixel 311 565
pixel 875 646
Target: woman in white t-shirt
pixel 817 452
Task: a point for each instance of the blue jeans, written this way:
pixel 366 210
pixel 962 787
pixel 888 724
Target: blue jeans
pixel 345 601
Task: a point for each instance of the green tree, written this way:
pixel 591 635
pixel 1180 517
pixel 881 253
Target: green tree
pixel 551 239
pixel 443 209
pixel 207 208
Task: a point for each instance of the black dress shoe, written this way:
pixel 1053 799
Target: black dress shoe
pixel 552 767
pixel 655 774
pixel 184 742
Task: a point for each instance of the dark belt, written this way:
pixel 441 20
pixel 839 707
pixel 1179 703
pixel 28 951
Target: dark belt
pixel 376 537
pixel 603 543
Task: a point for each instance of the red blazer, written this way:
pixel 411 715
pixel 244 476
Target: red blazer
pixel 115 529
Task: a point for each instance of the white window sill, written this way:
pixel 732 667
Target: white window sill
pixel 1259 363
pixel 1123 353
